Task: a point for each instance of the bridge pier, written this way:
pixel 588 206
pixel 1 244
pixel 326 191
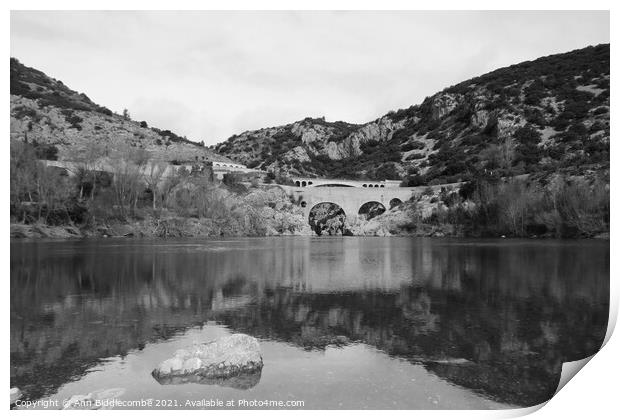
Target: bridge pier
pixel 350 210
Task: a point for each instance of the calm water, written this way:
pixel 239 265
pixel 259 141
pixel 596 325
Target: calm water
pixel 343 322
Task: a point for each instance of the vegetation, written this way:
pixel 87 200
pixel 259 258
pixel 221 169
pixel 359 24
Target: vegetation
pixel 175 138
pixel 564 208
pixel 135 191
pixel 44 151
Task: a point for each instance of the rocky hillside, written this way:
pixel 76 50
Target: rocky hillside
pixel 548 115
pixel 59 120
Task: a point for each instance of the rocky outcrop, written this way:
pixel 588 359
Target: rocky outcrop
pixel 480 118
pixel 347 148
pixel 318 140
pixel 507 124
pixel 16 394
pixel 443 104
pixel 310 133
pixel 233 361
pixel 370 228
pixel 379 130
pixel 297 153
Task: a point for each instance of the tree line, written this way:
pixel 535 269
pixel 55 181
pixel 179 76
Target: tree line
pixel 128 186
pixel 108 188
pixel 520 207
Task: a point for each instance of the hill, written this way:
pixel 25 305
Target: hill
pixel 550 115
pixel 59 120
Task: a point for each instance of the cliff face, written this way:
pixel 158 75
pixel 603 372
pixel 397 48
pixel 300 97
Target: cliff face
pixel 45 111
pixel 299 143
pixel 547 115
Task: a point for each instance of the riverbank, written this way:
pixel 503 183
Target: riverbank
pixel 193 204
pixel 174 227
pixel 483 210
pixel 183 229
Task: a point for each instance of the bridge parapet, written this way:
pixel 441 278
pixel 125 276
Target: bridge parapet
pixel 320 182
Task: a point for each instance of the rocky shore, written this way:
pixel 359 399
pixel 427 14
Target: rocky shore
pixel 169 228
pixel 179 228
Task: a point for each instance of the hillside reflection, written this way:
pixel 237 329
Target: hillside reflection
pixel 498 318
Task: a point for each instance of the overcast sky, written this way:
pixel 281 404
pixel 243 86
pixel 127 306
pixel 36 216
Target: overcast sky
pixel 208 75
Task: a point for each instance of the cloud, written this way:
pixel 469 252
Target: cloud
pixel 208 75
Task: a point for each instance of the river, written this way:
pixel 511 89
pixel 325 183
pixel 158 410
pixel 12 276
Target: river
pixel 343 322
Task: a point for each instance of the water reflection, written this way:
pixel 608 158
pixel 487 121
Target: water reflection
pixel 497 318
pixel 242 381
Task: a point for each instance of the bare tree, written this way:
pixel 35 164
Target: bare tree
pixel 128 167
pixel 153 179
pixel 23 171
pixel 175 178
pixel 500 155
pixel 507 153
pixel 88 164
pixel 209 200
pixel 52 191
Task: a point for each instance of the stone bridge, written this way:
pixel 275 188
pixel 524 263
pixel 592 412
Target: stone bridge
pixel 349 199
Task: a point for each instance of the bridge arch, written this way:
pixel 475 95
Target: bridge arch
pixel 327 218
pixel 371 209
pixel 395 202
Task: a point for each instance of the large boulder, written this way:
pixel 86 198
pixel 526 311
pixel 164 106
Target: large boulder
pixel 16 394
pixel 233 361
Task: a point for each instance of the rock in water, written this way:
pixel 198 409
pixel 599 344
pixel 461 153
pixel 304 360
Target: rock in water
pixel 233 361
pixel 16 394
